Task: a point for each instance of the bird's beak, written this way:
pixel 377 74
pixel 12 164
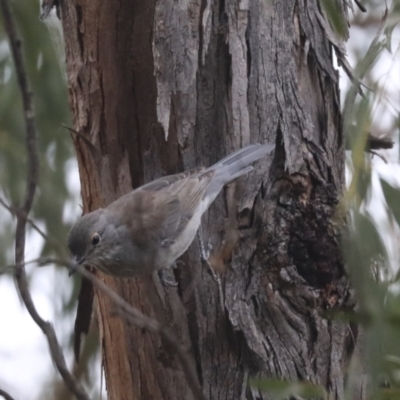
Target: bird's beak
pixel 72 270
pixel 75 262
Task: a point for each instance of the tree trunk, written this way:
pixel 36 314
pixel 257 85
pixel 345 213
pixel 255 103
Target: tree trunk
pixel 163 86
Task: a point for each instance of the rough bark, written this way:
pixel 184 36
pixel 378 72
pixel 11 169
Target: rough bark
pixel 163 86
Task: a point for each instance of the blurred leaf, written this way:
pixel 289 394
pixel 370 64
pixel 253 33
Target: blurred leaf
pixel 394 320
pixel 392 197
pixel 394 360
pixel 390 393
pixel 336 17
pixel 349 316
pixel 285 389
pixel 358 138
pixel 363 247
pixel 393 21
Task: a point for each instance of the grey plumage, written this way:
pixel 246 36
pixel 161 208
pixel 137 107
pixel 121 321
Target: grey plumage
pixel 150 227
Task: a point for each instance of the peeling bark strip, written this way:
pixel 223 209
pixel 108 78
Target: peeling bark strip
pixel 176 45
pixel 211 76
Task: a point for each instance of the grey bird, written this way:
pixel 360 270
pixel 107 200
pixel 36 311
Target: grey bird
pixel 152 226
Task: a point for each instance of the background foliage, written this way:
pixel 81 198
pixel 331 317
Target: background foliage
pixel 51 105
pixel 56 203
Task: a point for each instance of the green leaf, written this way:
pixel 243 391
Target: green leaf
pixel 278 389
pixel 393 360
pixel 393 20
pixel 336 18
pixel 390 393
pixel 392 197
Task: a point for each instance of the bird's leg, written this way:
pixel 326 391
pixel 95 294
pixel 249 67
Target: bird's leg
pixel 205 254
pixel 167 277
pixel 204 260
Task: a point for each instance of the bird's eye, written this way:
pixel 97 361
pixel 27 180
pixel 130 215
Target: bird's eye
pixel 95 239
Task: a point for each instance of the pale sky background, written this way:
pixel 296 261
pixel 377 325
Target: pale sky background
pixel 24 357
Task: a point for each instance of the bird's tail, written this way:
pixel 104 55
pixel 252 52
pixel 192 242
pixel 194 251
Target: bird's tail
pixel 235 165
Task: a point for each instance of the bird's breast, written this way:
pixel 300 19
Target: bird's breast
pixel 168 255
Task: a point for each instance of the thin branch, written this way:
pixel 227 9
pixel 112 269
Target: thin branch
pixel 360 6
pixel 32 179
pixel 6 395
pixel 374 153
pixel 140 320
pixel 92 148
pixel 40 261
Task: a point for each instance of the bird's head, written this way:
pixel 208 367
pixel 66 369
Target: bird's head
pixel 93 240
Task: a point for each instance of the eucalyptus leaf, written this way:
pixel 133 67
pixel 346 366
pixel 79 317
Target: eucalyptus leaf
pixel 392 197
pixel 285 389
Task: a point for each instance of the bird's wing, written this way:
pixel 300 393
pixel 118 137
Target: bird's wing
pixel 160 210
pixel 171 181
pixel 191 194
pixel 179 196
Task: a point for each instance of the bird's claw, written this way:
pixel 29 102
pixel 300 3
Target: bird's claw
pixel 167 281
pixel 204 253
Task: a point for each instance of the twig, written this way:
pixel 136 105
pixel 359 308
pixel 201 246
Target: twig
pixel 32 178
pixel 150 324
pixel 92 148
pixel 40 261
pixel 6 395
pixel 360 6
pixel 140 320
pixel 374 153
